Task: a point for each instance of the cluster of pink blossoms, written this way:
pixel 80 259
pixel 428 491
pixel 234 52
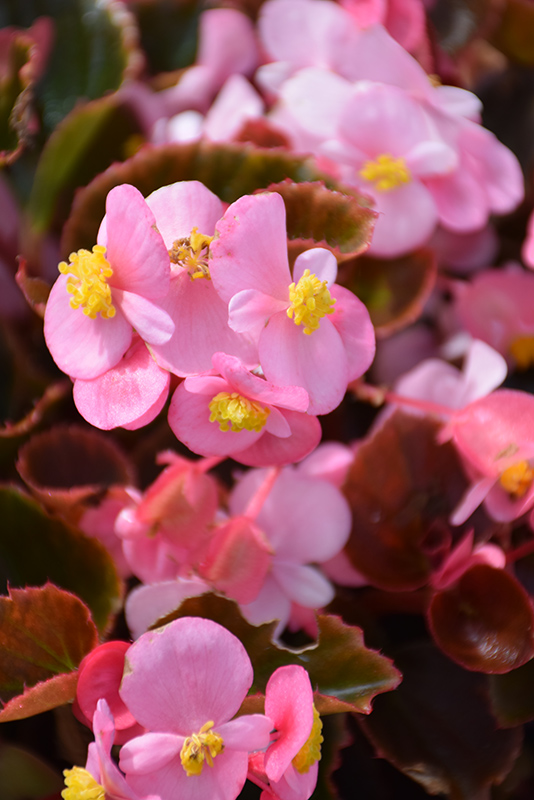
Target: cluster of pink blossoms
pixel 182 735
pixel 174 285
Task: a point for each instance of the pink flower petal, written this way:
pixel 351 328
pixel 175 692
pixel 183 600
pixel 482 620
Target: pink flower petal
pixel 150 752
pixel 272 451
pixel 152 323
pixel 251 249
pixel 317 362
pixel 146 604
pixel 131 391
pixel 291 396
pixel 203 672
pixel 352 321
pixel 407 218
pixel 249 732
pixel 289 703
pixel 83 347
pixel 135 248
pixel 320 262
pixel 182 206
pixel 250 310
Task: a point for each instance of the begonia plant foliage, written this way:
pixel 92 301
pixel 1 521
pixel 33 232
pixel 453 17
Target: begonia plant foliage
pixel 267 399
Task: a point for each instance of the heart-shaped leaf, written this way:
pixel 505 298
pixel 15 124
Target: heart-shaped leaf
pixel 485 622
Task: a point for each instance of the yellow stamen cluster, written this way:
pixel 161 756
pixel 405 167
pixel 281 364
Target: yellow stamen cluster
pixel 200 747
pixel 517 479
pixel 386 172
pixel 87 282
pixel 310 752
pixel 192 254
pixel 522 351
pixel 81 786
pixel 235 412
pixel 310 302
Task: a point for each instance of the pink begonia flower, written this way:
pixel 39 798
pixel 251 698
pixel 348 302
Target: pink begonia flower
pixel 235 413
pixel 439 382
pixel 145 605
pixel 498 307
pixel 527 252
pixel 101 776
pixel 98 522
pixel 236 103
pixel 129 395
pixel 306 521
pixel 310 331
pixel 99 676
pixel 101 296
pixel 227 45
pixel 193 748
pixel 463 557
pixel 495 439
pixel 186 213
pixel 291 763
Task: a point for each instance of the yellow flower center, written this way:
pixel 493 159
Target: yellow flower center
pixel 235 412
pixel 517 479
pixel 310 301
pixel 81 786
pixel 200 747
pixel 192 254
pixel 522 351
pixel 87 282
pixel 386 172
pixel 310 752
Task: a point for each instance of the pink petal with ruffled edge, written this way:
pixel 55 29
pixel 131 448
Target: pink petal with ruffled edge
pixel 201 329
pixel 134 246
pixel 203 672
pixel 250 251
pixel 182 206
pixel 289 703
pixel 83 347
pixel 317 362
pixel 134 390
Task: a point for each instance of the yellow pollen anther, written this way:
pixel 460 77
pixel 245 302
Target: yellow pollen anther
pixel 386 172
pixel 522 351
pixel 200 747
pixel 310 301
pixel 87 282
pixel 310 752
pixel 81 786
pixel 192 254
pixel 235 412
pixel 517 479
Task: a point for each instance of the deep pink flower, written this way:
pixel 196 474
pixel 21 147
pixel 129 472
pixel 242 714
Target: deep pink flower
pixel 310 331
pixel 236 413
pixel 194 748
pixel 101 296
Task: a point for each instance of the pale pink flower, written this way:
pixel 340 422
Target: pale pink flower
pixel 193 748
pixel 310 331
pixel 129 395
pixel 236 413
pixel 186 214
pixel 306 521
pixel 101 296
pixel 495 439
